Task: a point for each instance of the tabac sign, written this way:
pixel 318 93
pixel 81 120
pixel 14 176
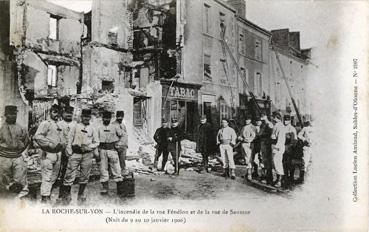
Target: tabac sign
pixel 181 91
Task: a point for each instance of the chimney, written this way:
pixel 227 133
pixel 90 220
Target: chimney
pixel 239 6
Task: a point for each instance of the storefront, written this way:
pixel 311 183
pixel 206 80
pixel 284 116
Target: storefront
pixel 180 101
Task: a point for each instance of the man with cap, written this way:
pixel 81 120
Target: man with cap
pixel 174 136
pixel 50 137
pixel 109 135
pixel 305 135
pixel 204 141
pixel 278 147
pixel 13 142
pixel 161 139
pixel 265 148
pixel 256 148
pixel 83 140
pixel 291 139
pixel 246 136
pixel 226 139
pixel 122 144
pixel 66 124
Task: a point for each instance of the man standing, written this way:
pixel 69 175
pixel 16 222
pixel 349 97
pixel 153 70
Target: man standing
pixel 83 139
pixel 66 124
pixel 13 142
pixel 50 137
pixel 291 139
pixel 256 147
pixel 204 145
pixel 226 139
pixel 247 135
pixel 278 147
pixel 265 147
pixel 109 134
pixel 122 144
pixel 161 139
pixel 305 136
pixel 175 135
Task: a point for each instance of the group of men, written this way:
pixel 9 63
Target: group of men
pixel 67 147
pixel 277 145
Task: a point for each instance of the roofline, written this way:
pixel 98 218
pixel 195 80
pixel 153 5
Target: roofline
pixel 226 5
pixel 253 25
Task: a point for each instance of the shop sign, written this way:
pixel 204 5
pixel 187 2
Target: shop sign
pixel 182 92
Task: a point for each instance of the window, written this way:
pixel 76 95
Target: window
pixel 54 27
pixel 207 67
pixel 206 23
pixel 258 84
pixel 137 112
pixel 52 75
pixel 242 44
pixel 107 86
pixel 258 49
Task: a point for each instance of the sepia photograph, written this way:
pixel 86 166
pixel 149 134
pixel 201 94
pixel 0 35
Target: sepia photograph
pixel 184 115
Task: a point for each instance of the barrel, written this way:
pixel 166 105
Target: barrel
pixel 128 186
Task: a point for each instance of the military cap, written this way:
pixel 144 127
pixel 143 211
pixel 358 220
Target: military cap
pixel 277 115
pixel 203 117
pixel 106 114
pixel 258 119
pixel 55 107
pixel 10 109
pixel 120 113
pixel 86 112
pixel 248 117
pixel 174 120
pixel 287 117
pixel 163 120
pixel 69 109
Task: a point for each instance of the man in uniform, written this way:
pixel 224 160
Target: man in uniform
pixel 175 135
pixel 161 139
pixel 204 141
pixel 291 139
pixel 278 147
pixel 247 135
pixel 256 147
pixel 109 134
pixel 13 142
pixel 226 139
pixel 50 137
pixel 265 147
pixel 83 141
pixel 66 124
pixel 122 144
pixel 305 136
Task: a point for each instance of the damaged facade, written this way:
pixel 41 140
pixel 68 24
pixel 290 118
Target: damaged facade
pixel 47 47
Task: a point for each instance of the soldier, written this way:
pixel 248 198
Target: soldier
pixel 247 135
pixel 305 136
pixel 109 134
pixel 83 140
pixel 226 139
pixel 291 139
pixel 50 137
pixel 256 147
pixel 161 139
pixel 278 147
pixel 265 148
pixel 174 136
pixel 66 124
pixel 204 143
pixel 13 142
pixel 122 144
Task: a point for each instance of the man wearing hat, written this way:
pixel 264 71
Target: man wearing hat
pixel 13 142
pixel 161 139
pixel 247 135
pixel 226 139
pixel 83 141
pixel 265 148
pixel 291 139
pixel 122 144
pixel 66 124
pixel 109 135
pixel 50 137
pixel 278 147
pixel 204 141
pixel 175 135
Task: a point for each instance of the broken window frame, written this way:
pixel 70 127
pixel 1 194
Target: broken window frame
pixel 207 67
pixel 51 35
pixel 52 82
pixel 206 21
